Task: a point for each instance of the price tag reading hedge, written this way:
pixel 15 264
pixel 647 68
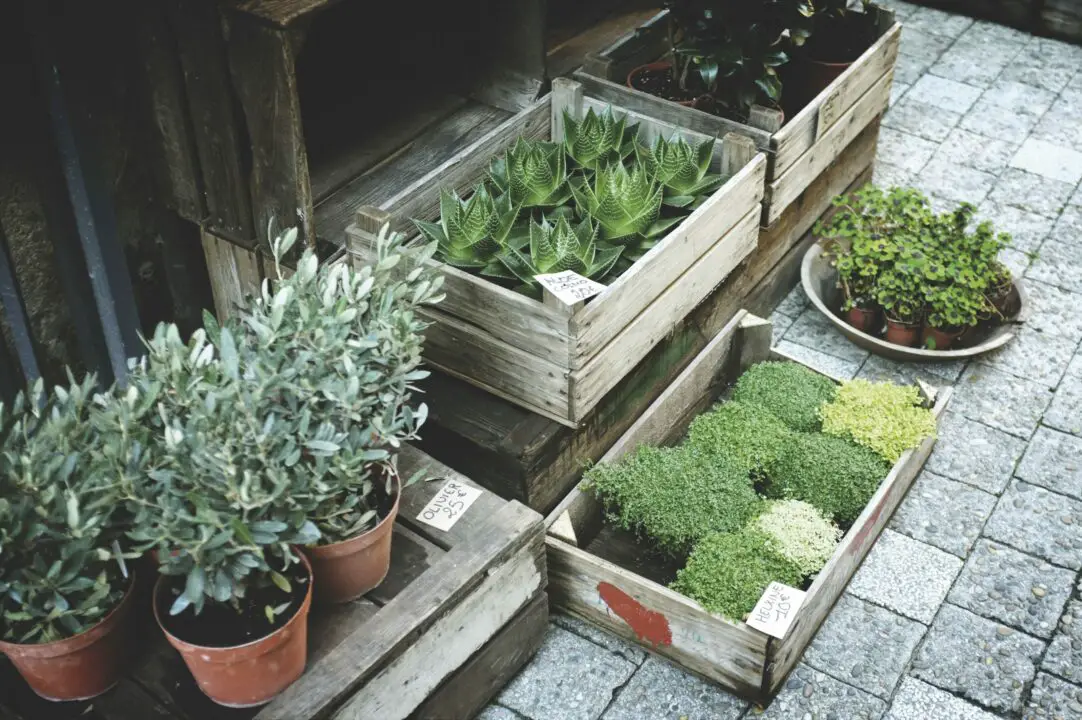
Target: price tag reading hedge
pixel 569 286
pixel 450 504
pixel 776 609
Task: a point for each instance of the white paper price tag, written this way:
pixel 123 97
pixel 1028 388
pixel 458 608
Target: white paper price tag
pixel 776 609
pixel 449 504
pixel 569 286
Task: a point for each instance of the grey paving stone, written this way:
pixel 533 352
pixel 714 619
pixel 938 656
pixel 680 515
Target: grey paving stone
pixel 598 636
pixel 937 22
pixel 1058 264
pixel 944 513
pixel 1052 698
pixel 1054 311
pixel 1068 227
pixel 969 149
pixel 1060 124
pixel 1044 63
pixel 1064 656
pixel 939 374
pixel 1013 588
pixel 923 45
pixel 946 94
pixel 570 678
pixel 829 365
pixel 886 175
pixel 991 120
pixel 921 119
pixel 1039 522
pixel 1053 460
pixel 1065 412
pixel 815 331
pixel 794 303
pixel 901 8
pixel 1028 230
pixel 662 690
pixel 945 179
pixel 1000 400
pixel 909 152
pixel 809 693
pixel 1034 355
pixel 864 645
pixel 906 576
pixel 495 712
pixel 1019 98
pixel 1016 261
pixel 971 452
pixel 909 68
pixel 780 323
pixel 983 31
pixel 917 700
pixel 974 63
pixel 981 660
pixel 1050 160
pixel 897 90
pixel 1031 192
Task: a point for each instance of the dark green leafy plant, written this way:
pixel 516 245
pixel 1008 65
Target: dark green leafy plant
pixel 746 434
pixel 791 392
pixel 558 247
pixel 598 140
pixel 532 174
pixel 682 170
pixel 884 417
pixel 471 232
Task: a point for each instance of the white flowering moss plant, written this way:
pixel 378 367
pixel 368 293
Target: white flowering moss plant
pixel 799 533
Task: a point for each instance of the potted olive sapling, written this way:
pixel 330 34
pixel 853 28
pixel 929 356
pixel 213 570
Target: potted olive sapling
pixel 341 349
pixel 65 588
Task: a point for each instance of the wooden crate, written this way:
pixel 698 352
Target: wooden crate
pixel 559 360
pixel 801 149
pixel 530 458
pixel 458 615
pixel 602 576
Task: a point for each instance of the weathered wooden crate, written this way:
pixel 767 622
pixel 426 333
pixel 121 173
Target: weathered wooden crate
pixel 459 613
pixel 603 576
pixel 801 149
pixel 554 359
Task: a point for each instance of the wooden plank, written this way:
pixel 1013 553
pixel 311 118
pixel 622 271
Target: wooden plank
pixel 234 273
pixel 478 681
pixel 651 128
pixel 801 132
pixel 411 555
pixel 512 55
pixel 280 13
pixel 611 312
pixel 832 579
pixel 262 62
pixel 678 115
pixel 655 617
pixel 611 365
pixel 565 56
pixel 361 656
pixel 644 44
pixel 787 187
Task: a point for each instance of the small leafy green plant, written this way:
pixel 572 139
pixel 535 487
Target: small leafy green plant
pixel 746 434
pixel 884 417
pixel 789 391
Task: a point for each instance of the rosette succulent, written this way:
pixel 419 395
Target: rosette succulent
pixel 532 174
pixel 556 247
pixel 682 170
pixel 598 140
pixel 471 232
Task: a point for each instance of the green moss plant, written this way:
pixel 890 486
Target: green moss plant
pixel 746 434
pixel 675 496
pixel 884 417
pixel 791 392
pixel 833 474
pixel 727 572
pixel 799 533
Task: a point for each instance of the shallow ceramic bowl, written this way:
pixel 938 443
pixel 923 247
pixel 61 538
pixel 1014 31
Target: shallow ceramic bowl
pixel 820 282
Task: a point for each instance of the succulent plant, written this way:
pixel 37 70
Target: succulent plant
pixel 682 170
pixel 471 232
pixel 559 246
pixel 533 174
pixel 598 140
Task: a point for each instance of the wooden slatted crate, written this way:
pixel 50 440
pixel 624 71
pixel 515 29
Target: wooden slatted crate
pixel 554 359
pixel 603 576
pixel 459 613
pixel 801 149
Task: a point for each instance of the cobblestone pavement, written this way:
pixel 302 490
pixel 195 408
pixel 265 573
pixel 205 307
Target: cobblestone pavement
pixel 970 605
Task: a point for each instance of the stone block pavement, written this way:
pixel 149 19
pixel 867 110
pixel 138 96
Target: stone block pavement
pixel 970 605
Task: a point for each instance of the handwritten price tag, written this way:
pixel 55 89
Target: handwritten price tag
pixel 776 609
pixel 449 505
pixel 569 286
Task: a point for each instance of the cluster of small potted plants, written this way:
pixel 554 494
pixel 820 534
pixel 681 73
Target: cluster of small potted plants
pixel 251 468
pixel 763 485
pixel 594 202
pixel 932 276
pixel 725 57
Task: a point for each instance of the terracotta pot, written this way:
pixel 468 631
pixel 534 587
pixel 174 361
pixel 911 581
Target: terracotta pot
pixel 942 339
pixel 79 667
pixel 901 333
pixel 865 320
pixel 346 570
pixel 251 674
pixel 819 75
pixel 662 65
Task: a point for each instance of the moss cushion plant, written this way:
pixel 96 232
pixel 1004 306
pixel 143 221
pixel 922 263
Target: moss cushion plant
pixel 791 392
pixel 746 434
pixel 800 533
pixel 884 417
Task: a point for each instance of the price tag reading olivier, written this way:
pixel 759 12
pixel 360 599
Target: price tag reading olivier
pixel 569 286
pixel 776 609
pixel 449 505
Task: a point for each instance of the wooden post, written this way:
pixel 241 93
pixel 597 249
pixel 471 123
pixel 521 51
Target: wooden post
pixel 736 151
pixel 764 118
pixel 566 95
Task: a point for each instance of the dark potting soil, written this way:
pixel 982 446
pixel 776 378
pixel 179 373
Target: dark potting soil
pixel 220 624
pixel 660 82
pixel 842 39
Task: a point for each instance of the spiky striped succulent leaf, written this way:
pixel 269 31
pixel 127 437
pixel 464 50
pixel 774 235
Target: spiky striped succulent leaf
pixel 598 140
pixel 556 247
pixel 625 202
pixel 683 170
pixel 533 173
pixel 471 232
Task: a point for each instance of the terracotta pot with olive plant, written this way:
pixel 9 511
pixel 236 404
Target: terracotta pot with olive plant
pixel 66 590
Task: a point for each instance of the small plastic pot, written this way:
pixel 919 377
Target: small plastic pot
pixel 864 319
pixel 941 339
pixel 251 674
pixel 902 333
pixel 346 570
pixel 661 65
pixel 79 667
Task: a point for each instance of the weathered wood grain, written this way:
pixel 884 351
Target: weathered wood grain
pixel 566 55
pixel 638 46
pixel 280 13
pixel 235 273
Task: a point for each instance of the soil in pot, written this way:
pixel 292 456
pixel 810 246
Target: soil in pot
pixel 902 333
pixel 657 79
pixel 940 338
pixel 83 666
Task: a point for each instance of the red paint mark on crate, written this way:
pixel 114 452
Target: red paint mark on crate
pixel 649 626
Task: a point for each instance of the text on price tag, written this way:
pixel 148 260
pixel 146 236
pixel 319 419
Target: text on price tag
pixel 449 504
pixel 569 286
pixel 776 609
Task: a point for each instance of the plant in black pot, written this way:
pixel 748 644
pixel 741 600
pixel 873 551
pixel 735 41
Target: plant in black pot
pixel 65 589
pixel 838 32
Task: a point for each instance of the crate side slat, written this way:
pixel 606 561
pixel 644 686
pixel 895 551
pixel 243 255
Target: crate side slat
pixel 643 45
pixel 651 128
